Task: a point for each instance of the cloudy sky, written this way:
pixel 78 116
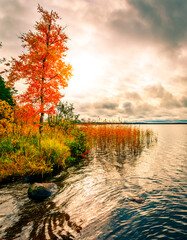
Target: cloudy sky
pixel 129 57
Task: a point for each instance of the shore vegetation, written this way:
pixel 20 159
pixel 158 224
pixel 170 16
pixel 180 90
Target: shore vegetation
pixel 25 152
pixel 120 139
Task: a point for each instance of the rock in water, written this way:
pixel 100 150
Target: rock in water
pixel 40 191
pixel 137 200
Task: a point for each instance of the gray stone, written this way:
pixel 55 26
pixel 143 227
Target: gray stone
pixel 40 191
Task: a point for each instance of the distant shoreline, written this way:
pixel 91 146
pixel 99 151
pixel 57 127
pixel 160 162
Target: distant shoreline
pixel 135 123
pixel 158 123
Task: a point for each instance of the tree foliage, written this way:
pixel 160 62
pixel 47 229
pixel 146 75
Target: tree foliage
pixel 65 116
pixel 25 114
pixel 5 117
pixel 42 66
pixel 66 111
pixel 5 111
pixel 5 92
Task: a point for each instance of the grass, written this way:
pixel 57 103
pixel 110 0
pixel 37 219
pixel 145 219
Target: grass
pixel 24 152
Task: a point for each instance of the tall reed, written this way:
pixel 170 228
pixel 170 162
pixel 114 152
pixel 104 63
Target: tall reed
pixel 120 138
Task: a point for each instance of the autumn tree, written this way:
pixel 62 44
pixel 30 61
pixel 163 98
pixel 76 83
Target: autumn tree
pixel 42 66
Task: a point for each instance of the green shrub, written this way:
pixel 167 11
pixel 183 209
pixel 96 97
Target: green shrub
pixel 78 145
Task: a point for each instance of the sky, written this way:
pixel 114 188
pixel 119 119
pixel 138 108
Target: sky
pixel 129 57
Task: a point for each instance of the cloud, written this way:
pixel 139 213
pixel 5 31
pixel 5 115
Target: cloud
pixel 163 21
pixel 128 108
pixel 105 104
pixel 133 96
pixel 16 18
pixel 153 102
pixel 166 99
pixel 184 101
pixel 129 56
pixel 111 106
pixel 142 109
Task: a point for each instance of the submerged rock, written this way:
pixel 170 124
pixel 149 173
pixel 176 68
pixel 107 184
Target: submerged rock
pixel 40 191
pixel 137 200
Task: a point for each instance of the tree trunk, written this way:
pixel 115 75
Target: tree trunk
pixel 41 123
pixel 42 105
pixel 42 84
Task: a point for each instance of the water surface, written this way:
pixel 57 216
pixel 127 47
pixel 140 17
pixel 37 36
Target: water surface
pixel 94 200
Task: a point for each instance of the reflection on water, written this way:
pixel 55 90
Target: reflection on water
pixel 141 196
pixel 42 221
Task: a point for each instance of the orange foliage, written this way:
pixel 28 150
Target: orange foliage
pixel 25 114
pixel 42 66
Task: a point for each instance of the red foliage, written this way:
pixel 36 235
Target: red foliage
pixel 26 114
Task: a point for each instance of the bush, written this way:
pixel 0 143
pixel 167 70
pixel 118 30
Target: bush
pixel 78 145
pixel 27 156
pixel 5 117
pixel 25 152
pixel 65 118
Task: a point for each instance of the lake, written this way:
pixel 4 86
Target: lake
pixel 108 197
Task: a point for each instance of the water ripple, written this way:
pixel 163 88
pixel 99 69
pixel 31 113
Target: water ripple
pixel 109 197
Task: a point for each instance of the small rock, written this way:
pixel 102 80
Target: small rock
pixel 137 200
pixel 40 191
